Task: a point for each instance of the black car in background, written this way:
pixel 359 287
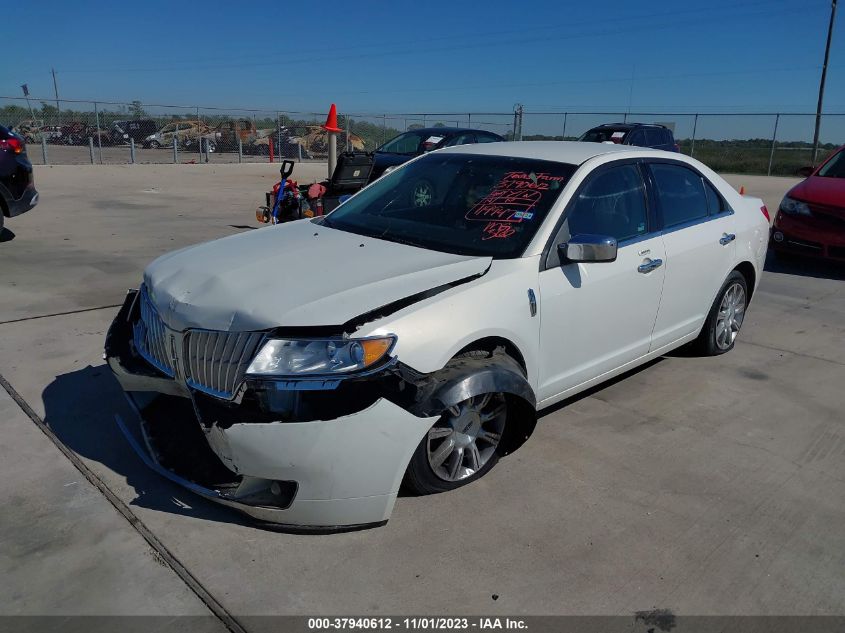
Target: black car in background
pixel 17 187
pixel 404 147
pixel 639 134
pixel 137 129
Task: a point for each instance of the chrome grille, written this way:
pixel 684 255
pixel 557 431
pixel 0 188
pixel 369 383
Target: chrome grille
pixel 150 337
pixel 215 362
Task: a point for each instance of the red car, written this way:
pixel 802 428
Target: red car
pixel 811 217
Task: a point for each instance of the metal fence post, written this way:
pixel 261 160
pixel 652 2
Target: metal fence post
pixel 99 135
pixel 469 119
pixel 175 151
pixel 279 136
pixel 694 127
pixel 564 125
pixel 199 140
pixel 91 148
pixel 44 149
pixel 299 151
pixel 774 138
pixel 240 150
pixel 132 150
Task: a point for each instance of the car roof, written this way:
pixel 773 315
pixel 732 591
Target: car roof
pixel 449 130
pixel 629 126
pixel 572 152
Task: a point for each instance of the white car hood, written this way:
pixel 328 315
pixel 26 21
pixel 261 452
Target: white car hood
pixel 295 274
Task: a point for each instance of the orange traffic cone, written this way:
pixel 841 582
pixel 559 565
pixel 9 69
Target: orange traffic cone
pixel 331 120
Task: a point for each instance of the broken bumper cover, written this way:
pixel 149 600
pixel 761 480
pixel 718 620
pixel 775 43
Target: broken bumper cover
pixel 346 471
pixel 319 475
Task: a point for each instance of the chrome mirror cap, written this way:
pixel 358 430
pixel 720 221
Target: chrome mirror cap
pixel 588 248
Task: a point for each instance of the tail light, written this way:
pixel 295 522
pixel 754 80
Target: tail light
pixel 766 213
pixel 13 145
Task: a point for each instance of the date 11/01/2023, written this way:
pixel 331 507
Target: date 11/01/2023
pixel 417 623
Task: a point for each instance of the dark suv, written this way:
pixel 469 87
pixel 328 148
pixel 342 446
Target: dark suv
pixel 639 134
pixel 17 188
pixel 137 129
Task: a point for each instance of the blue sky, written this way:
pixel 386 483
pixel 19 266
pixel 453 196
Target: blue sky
pixel 434 56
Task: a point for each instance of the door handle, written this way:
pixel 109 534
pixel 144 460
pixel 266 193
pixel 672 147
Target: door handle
pixel 647 267
pixel 727 238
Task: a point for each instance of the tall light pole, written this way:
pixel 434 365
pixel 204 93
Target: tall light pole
pixel 56 87
pixel 821 83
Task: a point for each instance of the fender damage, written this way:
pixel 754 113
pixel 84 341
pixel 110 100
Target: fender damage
pixel 303 455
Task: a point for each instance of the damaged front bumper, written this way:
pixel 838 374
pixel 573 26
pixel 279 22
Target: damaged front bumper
pixel 280 455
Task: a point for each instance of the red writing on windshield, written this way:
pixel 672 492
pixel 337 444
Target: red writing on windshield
pixel 498 230
pixel 514 195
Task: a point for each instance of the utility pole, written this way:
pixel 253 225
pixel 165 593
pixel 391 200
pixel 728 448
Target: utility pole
pixel 821 83
pixel 517 122
pixel 56 87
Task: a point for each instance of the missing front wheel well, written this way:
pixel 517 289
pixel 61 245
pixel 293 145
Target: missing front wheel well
pixel 493 345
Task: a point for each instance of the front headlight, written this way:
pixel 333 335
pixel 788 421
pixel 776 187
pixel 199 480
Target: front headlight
pixel 790 206
pixel 319 357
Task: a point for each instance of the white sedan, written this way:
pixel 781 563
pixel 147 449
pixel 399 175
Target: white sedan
pixel 302 373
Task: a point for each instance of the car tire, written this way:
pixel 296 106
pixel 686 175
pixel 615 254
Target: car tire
pixel 721 328
pixel 154 145
pixel 462 446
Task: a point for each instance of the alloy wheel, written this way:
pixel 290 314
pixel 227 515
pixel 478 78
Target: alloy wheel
pixel 731 314
pixel 466 437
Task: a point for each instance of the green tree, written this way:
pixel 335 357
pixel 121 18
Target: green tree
pixel 136 111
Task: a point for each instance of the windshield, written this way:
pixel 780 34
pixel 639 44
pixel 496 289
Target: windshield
pixel 835 167
pixel 604 135
pixel 412 143
pixel 458 203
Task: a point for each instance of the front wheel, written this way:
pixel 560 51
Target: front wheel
pixel 461 447
pixel 154 144
pixel 721 328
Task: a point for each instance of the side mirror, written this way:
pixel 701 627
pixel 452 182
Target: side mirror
pixel 588 248
pixel 805 172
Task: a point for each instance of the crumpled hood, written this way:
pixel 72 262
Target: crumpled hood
pixel 295 274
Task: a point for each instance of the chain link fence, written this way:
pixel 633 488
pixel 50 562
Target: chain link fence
pixel 83 132
pixel 763 143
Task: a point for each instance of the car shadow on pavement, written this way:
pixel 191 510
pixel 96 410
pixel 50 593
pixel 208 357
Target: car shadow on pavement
pixel 6 235
pixel 804 266
pixel 597 388
pixel 80 407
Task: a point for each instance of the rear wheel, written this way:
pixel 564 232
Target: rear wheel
pixel 721 328
pixel 155 144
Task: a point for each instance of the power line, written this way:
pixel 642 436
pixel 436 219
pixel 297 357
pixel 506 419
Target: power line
pixel 385 51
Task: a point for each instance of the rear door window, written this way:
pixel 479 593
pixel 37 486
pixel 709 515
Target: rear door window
pixel 637 137
pixel 681 194
pixel 487 138
pixel 715 202
pixel 654 137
